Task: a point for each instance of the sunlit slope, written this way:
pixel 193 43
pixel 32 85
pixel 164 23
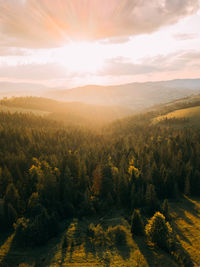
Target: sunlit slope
pixel 188 116
pixel 184 112
pixel 186 221
pixel 11 109
pixel 181 103
pixel 73 112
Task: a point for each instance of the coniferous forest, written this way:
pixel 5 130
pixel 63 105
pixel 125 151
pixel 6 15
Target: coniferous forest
pixel 51 172
pixel 99 133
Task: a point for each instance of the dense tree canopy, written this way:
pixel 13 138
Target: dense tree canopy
pixel 49 170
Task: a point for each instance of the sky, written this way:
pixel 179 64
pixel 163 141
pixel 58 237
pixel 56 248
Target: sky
pixel 68 43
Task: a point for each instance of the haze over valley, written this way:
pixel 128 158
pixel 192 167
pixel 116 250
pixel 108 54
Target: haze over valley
pixel 134 96
pixel 99 133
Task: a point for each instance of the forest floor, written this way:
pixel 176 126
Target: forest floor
pixel 81 250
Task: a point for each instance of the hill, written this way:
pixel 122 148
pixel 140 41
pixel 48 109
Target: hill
pixel 10 109
pixel 77 189
pixel 182 112
pixel 9 89
pixel 181 83
pixel 136 96
pixel 187 117
pixel 71 113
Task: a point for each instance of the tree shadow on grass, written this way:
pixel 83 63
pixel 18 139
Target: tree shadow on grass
pixel 182 210
pixel 153 256
pixel 187 205
pixel 191 207
pixel 179 232
pixel 4 236
pixel 89 247
pixel 124 251
pixel 123 247
pixel 9 255
pixel 39 256
pixel 180 213
pixel 181 256
pixel 98 252
pixel 79 238
pixel 110 244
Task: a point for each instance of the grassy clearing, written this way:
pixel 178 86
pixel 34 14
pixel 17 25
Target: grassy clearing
pixel 192 116
pixel 100 250
pixel 77 246
pixel 186 222
pixel 4 108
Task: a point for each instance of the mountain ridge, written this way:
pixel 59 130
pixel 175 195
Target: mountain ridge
pixel 136 96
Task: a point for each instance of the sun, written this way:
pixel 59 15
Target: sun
pixel 81 57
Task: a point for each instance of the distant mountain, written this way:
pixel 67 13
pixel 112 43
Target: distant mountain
pixel 182 83
pixel 136 96
pixel 8 89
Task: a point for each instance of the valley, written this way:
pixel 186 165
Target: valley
pixel 78 186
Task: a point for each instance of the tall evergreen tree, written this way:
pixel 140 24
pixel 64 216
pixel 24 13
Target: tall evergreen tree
pixel 152 202
pixel 137 224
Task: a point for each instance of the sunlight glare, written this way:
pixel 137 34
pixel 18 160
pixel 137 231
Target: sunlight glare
pixel 81 57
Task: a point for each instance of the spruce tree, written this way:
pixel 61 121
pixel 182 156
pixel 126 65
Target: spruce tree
pixel 165 209
pixel 137 224
pixel 151 199
pixel 187 186
pixel 159 231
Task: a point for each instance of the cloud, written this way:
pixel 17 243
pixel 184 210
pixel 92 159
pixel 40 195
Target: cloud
pixel 12 51
pixel 51 23
pixel 178 61
pixel 37 72
pixel 185 36
pixel 122 66
pixel 169 63
pixel 187 62
pixel 115 40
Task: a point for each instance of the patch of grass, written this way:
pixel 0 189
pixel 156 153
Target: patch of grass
pixel 186 222
pixel 188 116
pixel 109 242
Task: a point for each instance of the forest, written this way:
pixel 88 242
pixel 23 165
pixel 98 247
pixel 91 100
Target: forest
pixel 51 172
pixel 99 133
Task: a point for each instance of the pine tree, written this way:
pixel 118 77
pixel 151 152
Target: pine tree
pixel 12 197
pixel 137 224
pixel 158 231
pixel 5 180
pixel 165 209
pixel 151 199
pixel 187 186
pixel 97 180
pixel 10 214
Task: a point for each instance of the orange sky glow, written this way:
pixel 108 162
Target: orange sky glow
pixel 76 42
